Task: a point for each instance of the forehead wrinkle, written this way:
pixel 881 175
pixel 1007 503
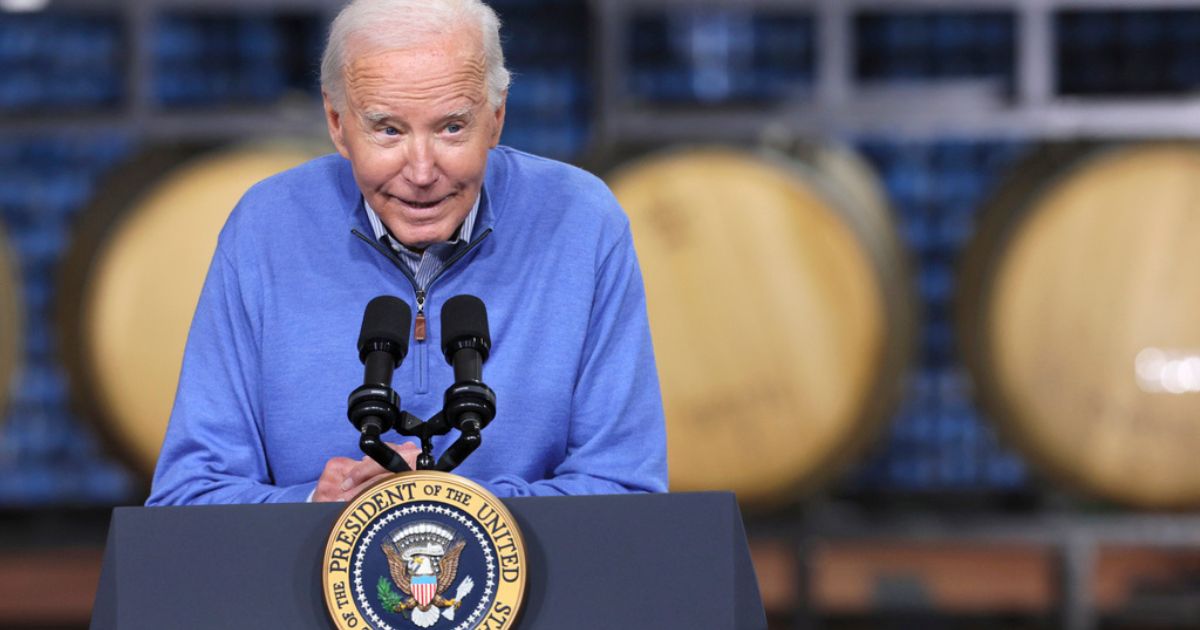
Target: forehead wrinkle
pixel 370 76
pixel 378 107
pixel 372 85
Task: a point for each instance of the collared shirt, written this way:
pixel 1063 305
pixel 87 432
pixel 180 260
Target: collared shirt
pixel 425 265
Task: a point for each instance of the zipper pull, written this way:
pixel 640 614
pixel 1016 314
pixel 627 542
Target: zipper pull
pixel 419 325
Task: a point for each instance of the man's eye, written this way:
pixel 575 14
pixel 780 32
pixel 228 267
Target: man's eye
pixel 391 131
pixel 454 128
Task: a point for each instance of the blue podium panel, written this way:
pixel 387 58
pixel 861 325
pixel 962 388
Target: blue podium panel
pixel 602 562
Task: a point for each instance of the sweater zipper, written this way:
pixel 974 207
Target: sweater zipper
pixel 422 385
pixel 419 323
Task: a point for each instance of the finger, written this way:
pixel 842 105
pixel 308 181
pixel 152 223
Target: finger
pixel 339 466
pixel 329 483
pixel 408 451
pixel 353 492
pixel 360 472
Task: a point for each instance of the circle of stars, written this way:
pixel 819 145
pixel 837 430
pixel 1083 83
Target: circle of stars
pixel 489 585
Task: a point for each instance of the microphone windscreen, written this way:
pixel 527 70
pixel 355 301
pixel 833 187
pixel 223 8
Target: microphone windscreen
pixel 464 316
pixel 387 318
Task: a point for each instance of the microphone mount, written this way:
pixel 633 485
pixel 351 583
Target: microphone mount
pixel 468 405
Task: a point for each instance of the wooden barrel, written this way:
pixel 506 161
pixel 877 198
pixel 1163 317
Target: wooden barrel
pixel 780 307
pixel 132 280
pixel 1079 318
pixel 11 316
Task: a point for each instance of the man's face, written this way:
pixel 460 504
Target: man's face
pixel 417 128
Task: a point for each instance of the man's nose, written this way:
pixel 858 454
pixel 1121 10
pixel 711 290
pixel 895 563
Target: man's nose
pixel 421 167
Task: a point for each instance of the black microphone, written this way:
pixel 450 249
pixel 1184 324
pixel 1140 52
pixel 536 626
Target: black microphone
pixel 382 346
pixel 465 338
pixel 383 340
pixel 469 404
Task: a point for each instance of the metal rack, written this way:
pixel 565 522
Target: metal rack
pixel 1075 539
pixel 139 115
pixel 837 104
pixel 840 105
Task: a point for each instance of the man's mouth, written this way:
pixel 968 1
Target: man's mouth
pixel 422 204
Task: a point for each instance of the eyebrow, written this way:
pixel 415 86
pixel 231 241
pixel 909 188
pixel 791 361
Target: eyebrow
pixel 465 113
pixel 375 116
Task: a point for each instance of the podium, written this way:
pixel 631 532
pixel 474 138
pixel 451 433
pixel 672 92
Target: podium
pixel 603 562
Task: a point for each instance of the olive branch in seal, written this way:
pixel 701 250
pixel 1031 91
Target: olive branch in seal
pixel 390 599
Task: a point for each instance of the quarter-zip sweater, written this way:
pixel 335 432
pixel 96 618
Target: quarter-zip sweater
pixel 271 357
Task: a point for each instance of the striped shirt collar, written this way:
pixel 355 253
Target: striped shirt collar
pixel 463 233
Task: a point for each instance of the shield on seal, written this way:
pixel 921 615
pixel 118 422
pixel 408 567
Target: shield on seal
pixel 424 587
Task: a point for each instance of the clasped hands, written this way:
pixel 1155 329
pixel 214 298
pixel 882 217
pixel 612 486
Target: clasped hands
pixel 343 478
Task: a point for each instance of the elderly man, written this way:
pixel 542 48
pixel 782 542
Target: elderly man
pixel 419 203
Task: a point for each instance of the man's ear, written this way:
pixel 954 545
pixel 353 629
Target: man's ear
pixel 337 130
pixel 499 120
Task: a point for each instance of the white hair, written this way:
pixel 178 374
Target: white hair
pixel 398 24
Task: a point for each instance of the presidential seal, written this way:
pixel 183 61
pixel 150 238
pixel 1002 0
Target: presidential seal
pixel 424 550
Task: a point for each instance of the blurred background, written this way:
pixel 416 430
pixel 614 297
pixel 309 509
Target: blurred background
pixel 954 372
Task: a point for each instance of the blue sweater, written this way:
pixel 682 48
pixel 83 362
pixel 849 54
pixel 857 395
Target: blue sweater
pixel 271 355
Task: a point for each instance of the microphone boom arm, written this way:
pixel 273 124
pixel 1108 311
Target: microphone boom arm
pixel 468 405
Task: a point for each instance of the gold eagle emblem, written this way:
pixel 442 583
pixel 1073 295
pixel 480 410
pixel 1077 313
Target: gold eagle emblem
pixel 423 562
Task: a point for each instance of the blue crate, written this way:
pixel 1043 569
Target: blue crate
pixel 938 441
pixel 214 60
pixel 52 62
pixel 1134 52
pixel 44 180
pixel 711 56
pixel 911 46
pixel 936 284
pixel 39 343
pixel 549 101
pixel 105 483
